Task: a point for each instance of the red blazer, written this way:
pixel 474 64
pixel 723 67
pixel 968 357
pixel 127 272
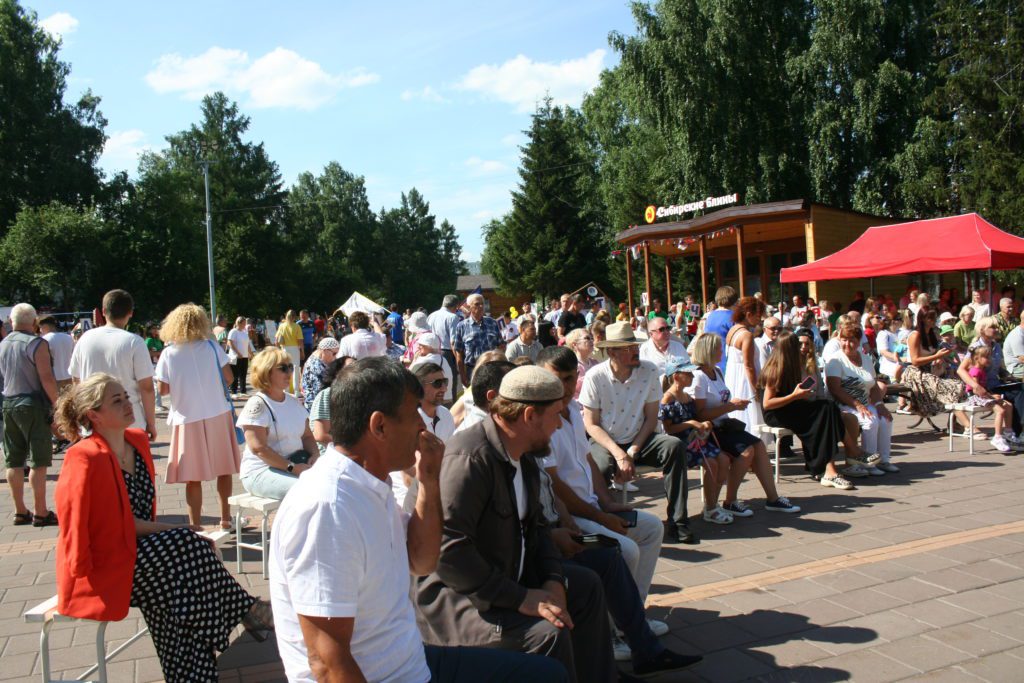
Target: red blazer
pixel 96 541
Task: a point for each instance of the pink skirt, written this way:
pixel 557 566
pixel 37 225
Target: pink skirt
pixel 203 450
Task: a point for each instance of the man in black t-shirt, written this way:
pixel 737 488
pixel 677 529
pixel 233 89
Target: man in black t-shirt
pixel 571 317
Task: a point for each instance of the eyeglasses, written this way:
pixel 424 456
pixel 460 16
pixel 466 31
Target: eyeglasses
pixel 286 367
pixel 439 383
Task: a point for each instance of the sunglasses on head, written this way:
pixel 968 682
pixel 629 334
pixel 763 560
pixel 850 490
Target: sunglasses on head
pixel 286 367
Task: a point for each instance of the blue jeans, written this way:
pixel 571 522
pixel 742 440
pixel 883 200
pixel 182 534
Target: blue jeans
pixel 269 483
pixel 472 664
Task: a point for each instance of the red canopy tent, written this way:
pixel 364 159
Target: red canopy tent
pixel 938 245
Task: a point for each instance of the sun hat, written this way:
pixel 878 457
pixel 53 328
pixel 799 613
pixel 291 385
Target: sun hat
pixel 328 344
pixel 618 335
pixel 429 340
pixel 946 315
pixel 530 384
pixel 675 365
pixel 418 322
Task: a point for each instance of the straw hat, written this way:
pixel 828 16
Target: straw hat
pixel 618 335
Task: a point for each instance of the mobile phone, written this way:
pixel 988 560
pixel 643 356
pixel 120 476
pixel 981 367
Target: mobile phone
pixel 591 541
pixel 629 516
pixel 807 383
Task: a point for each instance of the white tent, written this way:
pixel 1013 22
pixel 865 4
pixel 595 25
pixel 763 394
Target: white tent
pixel 358 302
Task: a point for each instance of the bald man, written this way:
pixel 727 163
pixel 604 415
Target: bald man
pixel 772 326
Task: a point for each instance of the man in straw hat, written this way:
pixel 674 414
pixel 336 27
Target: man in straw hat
pixel 620 410
pixel 500 581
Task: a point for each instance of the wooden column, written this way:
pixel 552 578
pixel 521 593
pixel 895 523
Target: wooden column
pixel 668 283
pixel 647 277
pixel 739 260
pixel 703 275
pixel 629 279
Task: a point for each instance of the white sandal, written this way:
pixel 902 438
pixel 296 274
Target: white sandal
pixel 718 515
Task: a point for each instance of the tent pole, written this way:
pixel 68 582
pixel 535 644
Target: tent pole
pixel 647 277
pixel 872 288
pixel 990 307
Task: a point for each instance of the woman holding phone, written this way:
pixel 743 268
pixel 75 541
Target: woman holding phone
pixel 789 398
pixel 713 402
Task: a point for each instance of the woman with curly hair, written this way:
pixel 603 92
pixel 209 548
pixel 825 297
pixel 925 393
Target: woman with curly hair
pixel 195 371
pixel 112 553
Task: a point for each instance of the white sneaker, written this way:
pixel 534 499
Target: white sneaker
pixel 839 482
pixel 999 443
pixel 717 515
pixel 658 628
pixel 855 471
pixel 630 486
pixel 621 650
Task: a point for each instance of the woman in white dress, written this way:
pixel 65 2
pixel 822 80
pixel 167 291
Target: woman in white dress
pixel 742 365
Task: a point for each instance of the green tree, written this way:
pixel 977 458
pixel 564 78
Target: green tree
pixel 255 261
pixel 330 214
pixel 967 152
pixel 48 149
pixel 54 254
pixel 551 240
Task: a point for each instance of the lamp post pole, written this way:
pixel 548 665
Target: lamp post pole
pixel 209 240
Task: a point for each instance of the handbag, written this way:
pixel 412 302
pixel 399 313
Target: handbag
pixel 239 434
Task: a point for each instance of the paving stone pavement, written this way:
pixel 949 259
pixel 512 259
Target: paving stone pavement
pixel 914 576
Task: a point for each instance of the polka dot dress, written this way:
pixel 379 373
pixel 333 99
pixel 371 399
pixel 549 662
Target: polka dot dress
pixel 190 602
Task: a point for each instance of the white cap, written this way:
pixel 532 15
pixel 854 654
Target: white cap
pixel 429 340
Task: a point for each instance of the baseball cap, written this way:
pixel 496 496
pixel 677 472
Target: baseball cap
pixel 675 365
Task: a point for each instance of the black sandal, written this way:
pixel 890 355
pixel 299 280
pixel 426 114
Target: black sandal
pixel 22 518
pixel 49 519
pixel 259 620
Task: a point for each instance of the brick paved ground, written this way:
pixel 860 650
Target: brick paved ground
pixel 914 576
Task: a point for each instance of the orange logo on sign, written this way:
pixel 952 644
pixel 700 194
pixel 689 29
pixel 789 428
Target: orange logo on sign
pixel 650 214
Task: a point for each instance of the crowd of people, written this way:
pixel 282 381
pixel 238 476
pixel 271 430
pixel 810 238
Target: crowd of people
pixel 449 479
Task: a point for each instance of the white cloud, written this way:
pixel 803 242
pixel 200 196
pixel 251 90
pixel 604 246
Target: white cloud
pixel 123 148
pixel 485 166
pixel 512 140
pixel 59 25
pixel 524 82
pixel 280 78
pixel 427 94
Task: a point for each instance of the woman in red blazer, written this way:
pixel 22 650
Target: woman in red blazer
pixel 112 554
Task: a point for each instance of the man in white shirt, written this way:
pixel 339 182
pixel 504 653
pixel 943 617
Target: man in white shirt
pixel 61 348
pixel 115 351
pixel 660 346
pixel 766 342
pixel 579 484
pixel 356 622
pixel 362 343
pixel 442 322
pixel 526 343
pixel 620 410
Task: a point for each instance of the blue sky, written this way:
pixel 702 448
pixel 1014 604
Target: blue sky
pixel 407 94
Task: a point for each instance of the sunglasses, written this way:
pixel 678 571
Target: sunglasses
pixel 660 329
pixel 286 367
pixel 774 328
pixel 439 383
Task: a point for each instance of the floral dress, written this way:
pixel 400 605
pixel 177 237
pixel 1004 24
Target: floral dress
pixel 696 448
pixel 189 600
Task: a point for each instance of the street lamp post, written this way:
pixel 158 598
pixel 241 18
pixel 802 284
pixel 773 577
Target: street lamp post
pixel 209 237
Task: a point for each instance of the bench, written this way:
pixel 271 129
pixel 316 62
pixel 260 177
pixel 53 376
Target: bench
pixel 971 411
pixel 46 613
pixel 778 433
pixel 264 506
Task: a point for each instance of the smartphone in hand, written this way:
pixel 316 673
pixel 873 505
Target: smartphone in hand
pixel 629 516
pixel 808 383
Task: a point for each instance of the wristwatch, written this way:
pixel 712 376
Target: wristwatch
pixel 291 467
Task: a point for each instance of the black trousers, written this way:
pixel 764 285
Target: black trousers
pixel 241 370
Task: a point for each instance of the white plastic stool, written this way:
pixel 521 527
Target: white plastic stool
pixel 264 506
pixel 778 433
pixel 971 411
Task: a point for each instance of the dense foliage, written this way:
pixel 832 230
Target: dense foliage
pixel 903 108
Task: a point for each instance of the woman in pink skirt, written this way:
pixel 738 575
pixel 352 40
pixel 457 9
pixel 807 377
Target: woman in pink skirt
pixel 193 369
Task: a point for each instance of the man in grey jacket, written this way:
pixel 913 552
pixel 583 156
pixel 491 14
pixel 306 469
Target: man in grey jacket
pixel 499 580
